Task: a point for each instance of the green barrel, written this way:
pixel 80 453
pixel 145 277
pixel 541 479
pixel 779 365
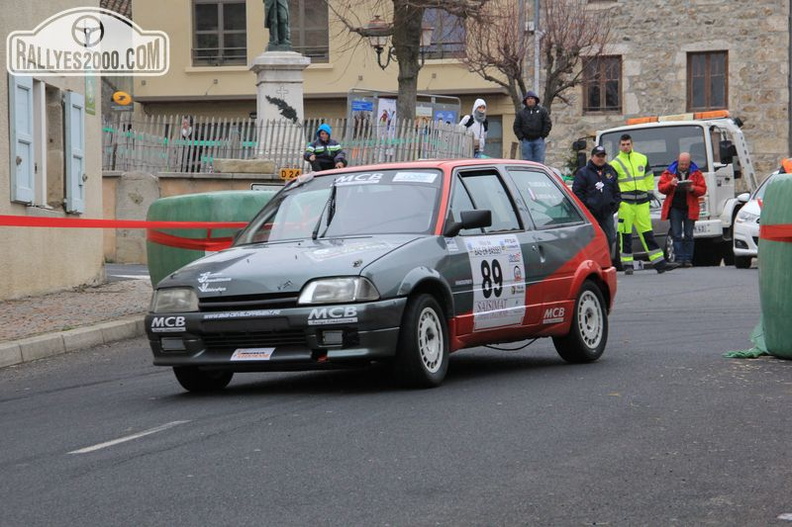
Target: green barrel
pixel 775 262
pixel 231 205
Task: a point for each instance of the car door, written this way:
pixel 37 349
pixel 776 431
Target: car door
pixel 560 233
pixel 497 294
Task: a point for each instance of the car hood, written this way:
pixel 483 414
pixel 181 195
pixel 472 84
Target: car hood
pixel 752 206
pixel 281 267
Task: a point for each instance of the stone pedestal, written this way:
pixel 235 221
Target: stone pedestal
pixel 279 98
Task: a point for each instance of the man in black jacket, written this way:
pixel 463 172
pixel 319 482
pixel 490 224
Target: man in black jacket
pixel 597 186
pixel 531 126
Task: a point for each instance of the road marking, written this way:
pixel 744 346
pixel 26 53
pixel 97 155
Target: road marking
pixel 130 276
pixel 127 438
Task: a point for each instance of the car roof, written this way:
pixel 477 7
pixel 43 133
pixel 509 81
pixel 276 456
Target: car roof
pixel 441 164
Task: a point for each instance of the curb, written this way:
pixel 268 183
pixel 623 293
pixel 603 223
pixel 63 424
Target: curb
pixel 51 344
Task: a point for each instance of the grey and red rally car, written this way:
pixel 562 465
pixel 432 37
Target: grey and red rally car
pixel 403 263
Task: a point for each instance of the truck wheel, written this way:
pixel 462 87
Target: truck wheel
pixel 588 334
pixel 742 262
pixel 196 380
pixel 422 354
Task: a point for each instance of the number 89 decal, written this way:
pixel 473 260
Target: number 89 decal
pixel 496 264
pixel 492 278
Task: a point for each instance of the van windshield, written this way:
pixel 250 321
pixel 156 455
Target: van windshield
pixel 662 145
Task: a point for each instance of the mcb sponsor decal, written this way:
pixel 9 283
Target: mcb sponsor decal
pixel 553 315
pixel 332 315
pixel 168 324
pixel 87 40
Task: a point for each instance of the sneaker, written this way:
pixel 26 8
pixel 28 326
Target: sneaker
pixel 687 264
pixel 628 270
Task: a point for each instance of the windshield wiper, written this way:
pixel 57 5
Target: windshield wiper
pixel 329 206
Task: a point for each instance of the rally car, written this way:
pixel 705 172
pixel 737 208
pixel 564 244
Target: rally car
pixel 398 263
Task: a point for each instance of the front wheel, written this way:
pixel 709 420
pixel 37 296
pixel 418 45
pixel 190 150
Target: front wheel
pixel 422 355
pixel 196 380
pixel 742 262
pixel 588 334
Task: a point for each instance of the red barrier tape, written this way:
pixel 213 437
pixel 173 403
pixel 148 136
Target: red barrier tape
pixel 776 233
pixel 197 244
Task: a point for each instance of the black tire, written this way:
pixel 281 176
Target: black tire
pixel 742 262
pixel 422 354
pixel 196 380
pixel 588 334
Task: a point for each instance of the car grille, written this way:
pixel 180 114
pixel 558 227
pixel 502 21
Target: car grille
pixel 248 302
pixel 255 339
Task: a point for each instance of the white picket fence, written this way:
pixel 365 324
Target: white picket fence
pixel 175 143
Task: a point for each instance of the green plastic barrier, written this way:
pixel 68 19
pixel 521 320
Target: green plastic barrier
pixel 775 262
pixel 231 205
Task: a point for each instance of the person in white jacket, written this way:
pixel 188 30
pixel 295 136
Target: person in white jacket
pixel 477 124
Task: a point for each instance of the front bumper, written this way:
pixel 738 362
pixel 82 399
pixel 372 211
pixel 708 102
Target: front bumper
pixel 746 239
pixel 300 338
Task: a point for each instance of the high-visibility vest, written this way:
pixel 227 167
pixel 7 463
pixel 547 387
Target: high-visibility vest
pixel 636 181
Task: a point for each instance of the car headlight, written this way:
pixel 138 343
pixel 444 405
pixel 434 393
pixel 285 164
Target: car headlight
pixel 174 300
pixel 746 217
pixel 338 290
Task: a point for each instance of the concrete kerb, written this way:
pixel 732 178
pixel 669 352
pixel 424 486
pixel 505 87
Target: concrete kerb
pixel 49 345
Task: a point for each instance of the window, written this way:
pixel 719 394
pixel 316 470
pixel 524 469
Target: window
pixel 547 204
pixel 602 84
pixel 707 83
pixel 487 192
pixel 310 35
pixel 47 132
pixel 448 35
pixel 220 35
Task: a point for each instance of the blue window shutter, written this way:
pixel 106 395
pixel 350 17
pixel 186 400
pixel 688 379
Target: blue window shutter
pixel 20 118
pixel 75 152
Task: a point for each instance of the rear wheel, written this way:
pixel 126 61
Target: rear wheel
pixel 422 355
pixel 196 380
pixel 588 334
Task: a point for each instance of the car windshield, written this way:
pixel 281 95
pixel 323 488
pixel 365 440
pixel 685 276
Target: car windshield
pixel 760 192
pixel 350 204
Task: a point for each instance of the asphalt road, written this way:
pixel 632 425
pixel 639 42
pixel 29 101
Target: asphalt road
pixel 663 430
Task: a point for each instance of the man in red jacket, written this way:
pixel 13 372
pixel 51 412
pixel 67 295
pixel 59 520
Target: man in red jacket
pixel 682 183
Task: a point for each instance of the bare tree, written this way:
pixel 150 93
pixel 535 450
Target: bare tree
pixel 405 33
pixel 498 46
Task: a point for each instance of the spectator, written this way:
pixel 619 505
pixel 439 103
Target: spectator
pixel 325 153
pixel 636 183
pixel 597 187
pixel 682 183
pixel 531 126
pixel 477 123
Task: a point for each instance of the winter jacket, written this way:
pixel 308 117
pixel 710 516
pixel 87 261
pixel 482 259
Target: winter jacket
pixel 478 127
pixel 636 180
pixel 698 188
pixel 532 122
pixel 602 200
pixel 330 150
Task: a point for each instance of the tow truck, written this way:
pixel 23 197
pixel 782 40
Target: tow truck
pixel 717 145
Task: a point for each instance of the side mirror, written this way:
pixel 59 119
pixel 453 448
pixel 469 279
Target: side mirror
pixel 580 144
pixel 744 197
pixel 470 219
pixel 727 151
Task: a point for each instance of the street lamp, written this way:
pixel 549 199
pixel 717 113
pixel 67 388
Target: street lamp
pixel 378 32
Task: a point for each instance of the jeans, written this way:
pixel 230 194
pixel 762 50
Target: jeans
pixel 533 149
pixel 682 234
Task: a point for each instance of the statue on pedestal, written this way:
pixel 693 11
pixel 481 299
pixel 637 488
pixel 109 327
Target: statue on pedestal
pixel 276 19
